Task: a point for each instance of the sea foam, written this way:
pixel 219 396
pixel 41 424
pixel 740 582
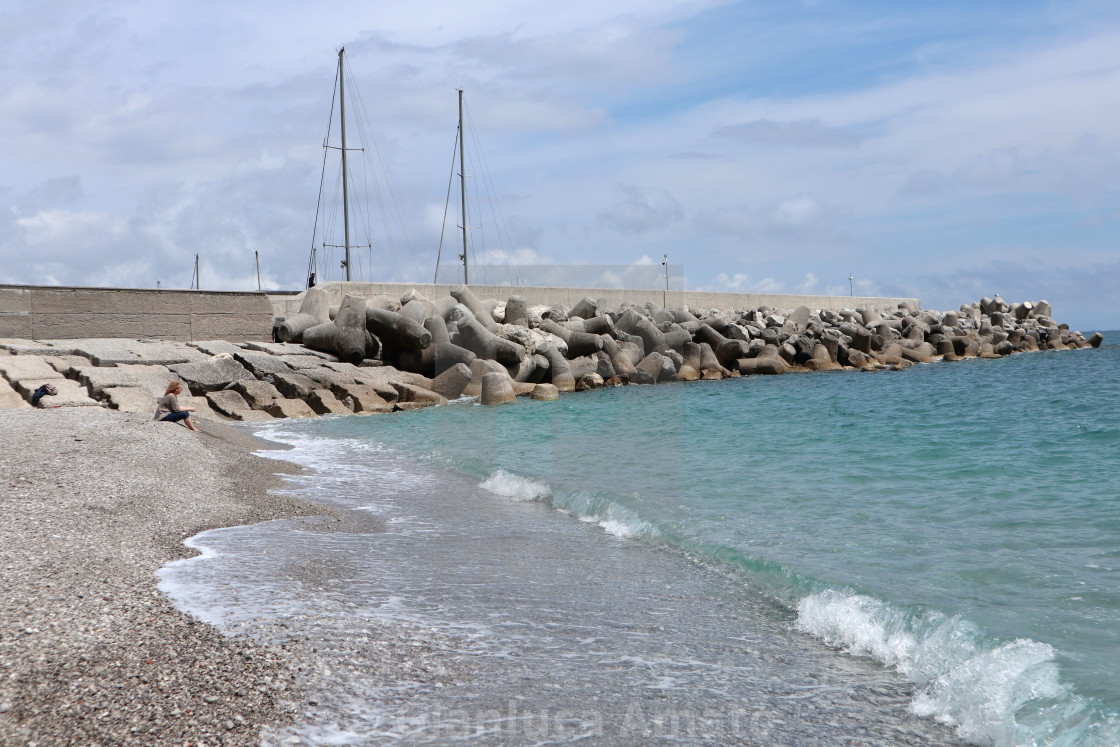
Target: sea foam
pixel 515 486
pixel 990 692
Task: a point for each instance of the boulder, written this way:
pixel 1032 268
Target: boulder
pixel 560 372
pixel 261 364
pixel 397 332
pixel 259 394
pixel 324 402
pixel 589 380
pixel 97 379
pixel 545 393
pixel 10 399
pixel 131 399
pixel 28 367
pixel 291 385
pixel 233 405
pixel 210 375
pixel 452 382
pixel 290 408
pixel 1096 339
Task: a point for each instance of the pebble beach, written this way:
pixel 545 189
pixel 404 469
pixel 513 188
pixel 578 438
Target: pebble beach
pixel 91 652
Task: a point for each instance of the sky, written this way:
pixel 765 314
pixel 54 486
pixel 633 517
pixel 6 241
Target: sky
pixel 944 151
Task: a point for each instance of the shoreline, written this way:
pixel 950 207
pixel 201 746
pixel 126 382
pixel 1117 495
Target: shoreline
pixel 91 651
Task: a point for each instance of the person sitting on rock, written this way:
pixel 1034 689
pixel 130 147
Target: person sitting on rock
pixel 169 409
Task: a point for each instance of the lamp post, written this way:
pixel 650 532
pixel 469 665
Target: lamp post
pixel 851 288
pixel 665 295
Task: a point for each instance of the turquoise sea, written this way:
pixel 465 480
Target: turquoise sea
pixel 924 556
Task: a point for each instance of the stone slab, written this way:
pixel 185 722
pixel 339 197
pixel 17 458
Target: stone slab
pixel 261 363
pixel 27 368
pixel 153 378
pixel 233 405
pixel 130 399
pixel 10 399
pixel 216 347
pixel 290 408
pixel 98 378
pixel 70 394
pixel 211 375
pixel 286 348
pixel 63 363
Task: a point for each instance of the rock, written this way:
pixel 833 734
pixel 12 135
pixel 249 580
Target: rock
pixel 233 405
pixel 324 402
pixel 290 408
pixel 590 380
pixel 467 298
pixel 259 394
pixel 21 367
pixel 799 318
pixel 820 360
pixel 545 393
pixel 1096 339
pixel 497 389
pixel 10 399
pixel 1042 308
pixel 96 379
pixel 131 399
pixel 217 347
pixel 361 398
pixel 412 394
pixel 291 385
pixel 485 344
pixel 211 375
pixel 584 308
pixel 261 364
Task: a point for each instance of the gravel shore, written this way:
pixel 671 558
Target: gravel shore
pixel 94 503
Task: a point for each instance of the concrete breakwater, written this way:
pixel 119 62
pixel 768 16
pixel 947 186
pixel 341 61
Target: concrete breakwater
pixel 382 354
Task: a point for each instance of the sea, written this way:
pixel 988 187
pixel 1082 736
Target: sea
pixel 928 556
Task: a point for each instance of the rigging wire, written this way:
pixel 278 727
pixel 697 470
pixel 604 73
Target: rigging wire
pixel 364 117
pixel 446 203
pixel 492 197
pixel 322 176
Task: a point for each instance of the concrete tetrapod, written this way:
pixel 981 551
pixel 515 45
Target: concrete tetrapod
pixel 397 332
pixel 562 377
pixel 314 310
pixel 497 389
pixel 346 337
pixel 466 296
pixel 485 344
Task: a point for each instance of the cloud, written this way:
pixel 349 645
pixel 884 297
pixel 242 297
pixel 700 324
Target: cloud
pixel 803 133
pixel 643 210
pixel 800 215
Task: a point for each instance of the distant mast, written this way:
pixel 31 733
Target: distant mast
pixel 345 175
pixel 462 190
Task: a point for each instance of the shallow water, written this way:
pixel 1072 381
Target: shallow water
pixel 954 525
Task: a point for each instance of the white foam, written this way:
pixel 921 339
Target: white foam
pixel 990 693
pixel 515 486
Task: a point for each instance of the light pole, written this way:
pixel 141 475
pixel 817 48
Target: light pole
pixel 665 295
pixel 851 288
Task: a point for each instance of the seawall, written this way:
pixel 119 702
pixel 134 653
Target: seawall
pixel 288 304
pixel 65 313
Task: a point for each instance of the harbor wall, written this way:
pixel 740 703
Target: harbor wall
pixel 286 305
pixel 64 313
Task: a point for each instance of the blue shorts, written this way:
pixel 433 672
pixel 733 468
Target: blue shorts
pixel 174 417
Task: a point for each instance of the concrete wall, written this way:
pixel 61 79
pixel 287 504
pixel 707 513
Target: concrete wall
pixel 287 305
pixel 57 313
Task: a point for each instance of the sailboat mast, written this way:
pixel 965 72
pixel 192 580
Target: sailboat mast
pixel 463 188
pixel 345 176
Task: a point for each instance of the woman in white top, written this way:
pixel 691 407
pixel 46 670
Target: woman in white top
pixel 169 409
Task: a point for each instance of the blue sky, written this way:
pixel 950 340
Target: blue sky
pixel 944 150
